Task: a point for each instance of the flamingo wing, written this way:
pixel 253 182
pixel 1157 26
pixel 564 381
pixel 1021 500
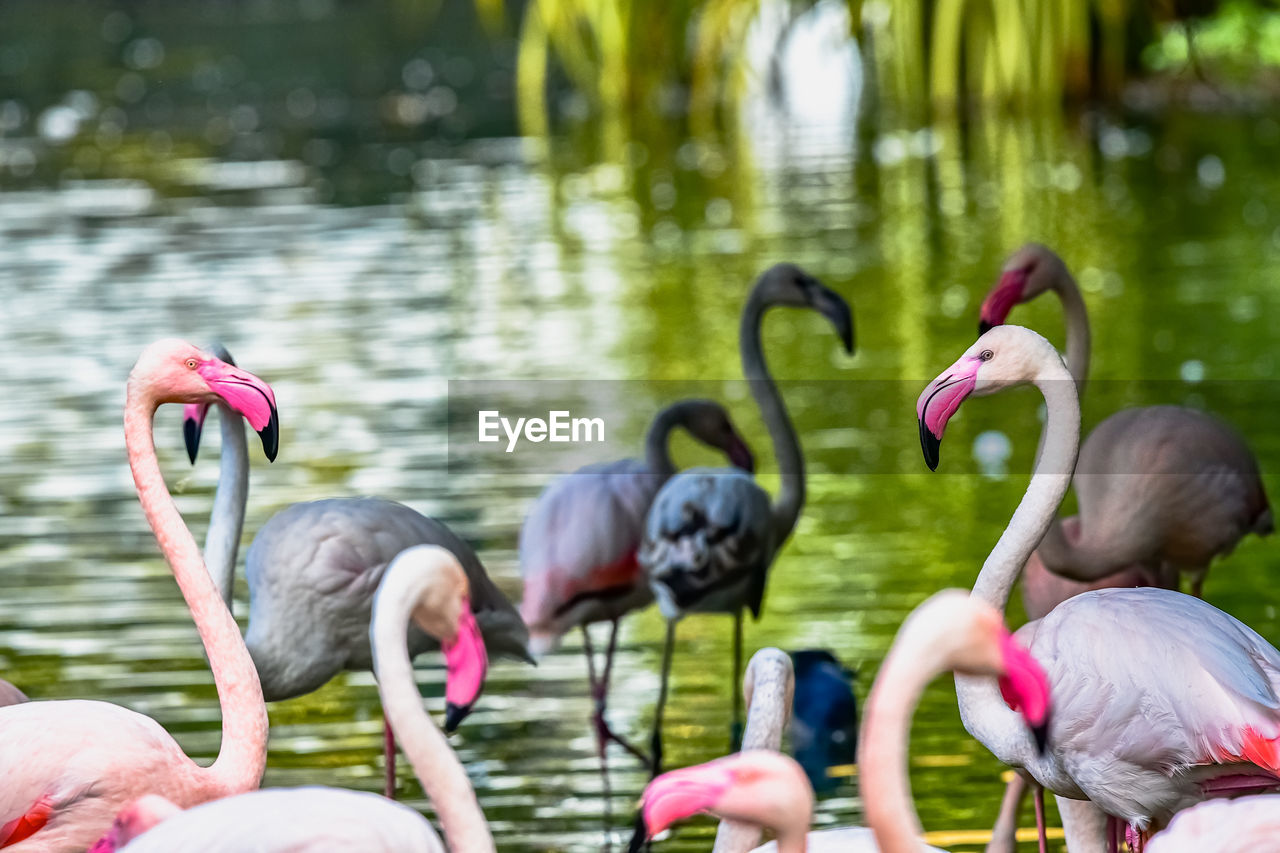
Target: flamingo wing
pixel 708 542
pixel 1157 692
pixel 312 571
pixel 579 542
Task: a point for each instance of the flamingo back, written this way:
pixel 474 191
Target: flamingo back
pixel 1224 826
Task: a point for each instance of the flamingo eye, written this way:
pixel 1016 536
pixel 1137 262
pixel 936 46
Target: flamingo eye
pixel 192 363
pixel 986 355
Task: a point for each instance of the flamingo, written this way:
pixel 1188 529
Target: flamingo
pixel 1192 488
pixel 425 584
pixel 1149 720
pixel 1224 826
pixel 712 533
pixel 578 543
pixel 824 724
pixel 949 631
pixel 70 765
pixel 312 571
pixel 10 695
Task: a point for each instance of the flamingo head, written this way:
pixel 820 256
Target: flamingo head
pixel 1027 273
pixel 787 284
pixel 758 786
pixel 193 414
pixel 1003 357
pixel 134 819
pixel 709 423
pixel 444 611
pixel 174 371
pixel 1025 687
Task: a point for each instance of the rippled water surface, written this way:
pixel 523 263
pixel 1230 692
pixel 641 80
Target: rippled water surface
pixel 359 278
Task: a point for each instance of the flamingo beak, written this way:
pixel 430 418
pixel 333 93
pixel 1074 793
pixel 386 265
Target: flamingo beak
pixel 682 793
pixel 1001 299
pixel 1025 688
pixel 939 401
pixel 193 415
pixel 740 455
pixel 248 395
pixel 466 663
pixel 833 306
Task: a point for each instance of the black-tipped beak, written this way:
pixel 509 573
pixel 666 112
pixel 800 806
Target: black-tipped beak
pixel 453 716
pixel 1041 734
pixel 832 306
pixel 191 435
pixel 270 435
pixel 930 444
pixel 740 456
pixel 984 327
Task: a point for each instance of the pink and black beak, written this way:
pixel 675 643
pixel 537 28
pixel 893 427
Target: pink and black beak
pixel 683 793
pixel 466 663
pixel 193 415
pixel 832 305
pixel 243 392
pixel 940 400
pixel 1001 299
pixel 1025 688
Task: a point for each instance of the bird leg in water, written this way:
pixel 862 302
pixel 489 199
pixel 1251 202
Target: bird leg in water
pixel 735 689
pixel 389 749
pixel 639 836
pixel 600 693
pixel 1040 821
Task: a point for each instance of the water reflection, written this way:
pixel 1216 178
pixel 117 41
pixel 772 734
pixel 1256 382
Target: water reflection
pixel 303 217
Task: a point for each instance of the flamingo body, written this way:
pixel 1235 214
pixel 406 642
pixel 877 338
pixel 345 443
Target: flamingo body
pixel 313 570
pixel 297 820
pixel 1223 826
pixel 578 548
pixel 709 540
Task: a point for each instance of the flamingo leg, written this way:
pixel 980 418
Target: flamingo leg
pixel 1113 835
pixel 602 740
pixel 640 834
pixel 1004 833
pixel 601 723
pixel 1040 821
pixel 389 751
pixel 735 689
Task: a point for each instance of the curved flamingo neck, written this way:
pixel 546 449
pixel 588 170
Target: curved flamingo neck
pixel 1079 340
pixel 442 776
pixel 242 756
pixel 914 661
pixel 772 681
pixel 657 451
pixel 226 521
pixel 786 447
pixel 982 709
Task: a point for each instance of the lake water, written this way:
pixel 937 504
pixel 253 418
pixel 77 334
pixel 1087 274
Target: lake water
pixel 360 267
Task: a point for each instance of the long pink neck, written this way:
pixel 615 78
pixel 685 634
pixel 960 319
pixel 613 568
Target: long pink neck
pixel 882 746
pixel 442 776
pixel 243 754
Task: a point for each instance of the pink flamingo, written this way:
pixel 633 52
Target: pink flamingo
pixel 1192 488
pixel 949 631
pixel 579 541
pixel 424 585
pixel 71 765
pixel 1224 826
pixel 312 572
pixel 1149 720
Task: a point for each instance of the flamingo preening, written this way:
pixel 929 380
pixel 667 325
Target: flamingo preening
pixel 1160 488
pixel 70 765
pixel 1162 699
pixel 950 631
pixel 312 571
pixel 579 541
pixel 424 584
pixel 712 533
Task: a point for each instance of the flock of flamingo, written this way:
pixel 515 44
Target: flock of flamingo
pixel 1151 716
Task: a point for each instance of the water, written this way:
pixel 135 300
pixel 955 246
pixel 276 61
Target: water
pixel 360 266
